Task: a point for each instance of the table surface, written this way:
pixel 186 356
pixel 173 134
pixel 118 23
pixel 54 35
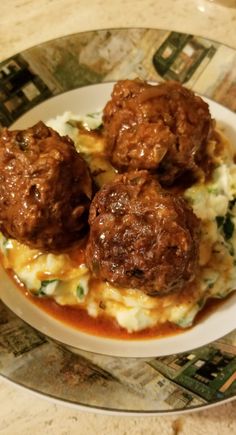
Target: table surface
pixel 24 23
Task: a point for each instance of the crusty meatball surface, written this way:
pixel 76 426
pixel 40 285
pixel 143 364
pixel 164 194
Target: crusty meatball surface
pixel 142 236
pixel 45 188
pixel 162 128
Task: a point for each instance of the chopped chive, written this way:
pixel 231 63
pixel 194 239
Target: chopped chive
pixel 232 203
pixel 80 292
pixel 93 115
pixel 44 285
pixel 220 221
pixel 226 224
pixel 228 227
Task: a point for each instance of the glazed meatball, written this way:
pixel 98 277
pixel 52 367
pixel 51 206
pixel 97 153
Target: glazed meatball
pixel 141 236
pixel 45 188
pixel 162 128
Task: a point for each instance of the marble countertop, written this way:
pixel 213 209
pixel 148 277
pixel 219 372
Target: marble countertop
pixel 18 29
pixel 24 23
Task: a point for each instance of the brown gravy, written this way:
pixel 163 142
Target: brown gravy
pixel 103 326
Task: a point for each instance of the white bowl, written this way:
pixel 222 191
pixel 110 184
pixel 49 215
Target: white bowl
pixel 213 326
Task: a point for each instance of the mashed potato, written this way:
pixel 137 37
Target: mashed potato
pixel 58 277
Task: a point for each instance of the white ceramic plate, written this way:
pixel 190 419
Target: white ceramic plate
pixel 217 324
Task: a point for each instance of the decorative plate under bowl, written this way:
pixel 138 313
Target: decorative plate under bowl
pixel 165 384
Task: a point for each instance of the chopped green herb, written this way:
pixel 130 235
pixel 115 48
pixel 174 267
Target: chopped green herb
pixel 209 282
pixel 232 203
pixel 44 284
pixel 74 123
pixel 93 115
pixel 49 281
pixel 228 227
pixel 231 250
pixel 220 221
pixel 80 292
pixel 213 190
pixel 226 224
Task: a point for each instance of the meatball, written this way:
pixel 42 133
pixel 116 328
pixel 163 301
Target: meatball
pixel 141 236
pixel 45 188
pixel 162 128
